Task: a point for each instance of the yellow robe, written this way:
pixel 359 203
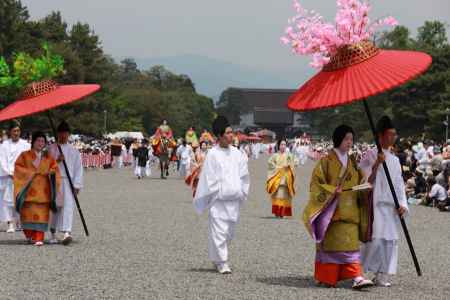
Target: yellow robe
pixel 351 220
pixel 35 189
pixel 191 138
pixel 280 183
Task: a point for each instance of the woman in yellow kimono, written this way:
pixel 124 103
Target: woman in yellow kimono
pixel 338 217
pixel 36 183
pixel 281 180
pixel 191 138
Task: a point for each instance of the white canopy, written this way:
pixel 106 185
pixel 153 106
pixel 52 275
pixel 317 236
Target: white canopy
pixel 126 134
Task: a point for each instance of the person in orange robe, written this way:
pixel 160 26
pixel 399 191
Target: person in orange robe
pixel 36 183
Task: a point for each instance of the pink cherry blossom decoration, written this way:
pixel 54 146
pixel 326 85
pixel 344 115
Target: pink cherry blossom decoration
pixel 308 34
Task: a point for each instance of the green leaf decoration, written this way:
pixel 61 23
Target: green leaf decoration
pixel 26 69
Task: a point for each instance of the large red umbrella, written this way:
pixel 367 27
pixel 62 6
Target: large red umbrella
pixel 356 72
pixel 43 96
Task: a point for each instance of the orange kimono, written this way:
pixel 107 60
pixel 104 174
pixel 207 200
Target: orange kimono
pixel 36 183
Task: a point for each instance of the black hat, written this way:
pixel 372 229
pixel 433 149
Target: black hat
pixel 13 124
pixel 384 124
pixel 339 134
pixel 63 127
pixel 219 125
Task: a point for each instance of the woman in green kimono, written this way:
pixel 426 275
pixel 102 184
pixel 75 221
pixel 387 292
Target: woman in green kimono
pixel 336 216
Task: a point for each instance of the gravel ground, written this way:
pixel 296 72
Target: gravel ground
pixel 147 243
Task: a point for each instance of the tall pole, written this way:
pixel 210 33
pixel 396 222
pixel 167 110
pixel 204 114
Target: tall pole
pixel 72 188
pixel 446 125
pixel 105 112
pixel 391 187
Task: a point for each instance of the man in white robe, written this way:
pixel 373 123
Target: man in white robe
pixel 256 148
pixel 10 150
pixel 62 220
pixel 380 256
pixel 184 155
pixel 222 188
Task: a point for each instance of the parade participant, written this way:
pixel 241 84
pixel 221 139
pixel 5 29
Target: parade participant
pixel 164 130
pixel 184 155
pixel 36 184
pixel 142 154
pixel 336 217
pixel 62 220
pixel 281 181
pixel 116 153
pixel 132 152
pixel 124 161
pixel 255 149
pixel 199 158
pixel 207 137
pixel 10 149
pixel 191 138
pixel 223 186
pixel 380 255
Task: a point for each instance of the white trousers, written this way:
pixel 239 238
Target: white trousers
pixel 7 212
pixel 184 169
pixel 220 234
pixel 380 256
pixel 62 220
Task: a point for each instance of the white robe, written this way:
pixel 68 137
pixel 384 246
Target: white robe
pixel 223 185
pixel 185 154
pixel 62 220
pixel 256 148
pixel 9 152
pixel 381 255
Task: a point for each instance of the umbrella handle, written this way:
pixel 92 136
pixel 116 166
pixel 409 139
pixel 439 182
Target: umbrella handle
pixel 72 188
pixel 391 187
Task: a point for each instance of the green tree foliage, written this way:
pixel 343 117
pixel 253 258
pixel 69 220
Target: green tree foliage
pixel 133 99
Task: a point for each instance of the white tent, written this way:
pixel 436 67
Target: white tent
pixel 126 134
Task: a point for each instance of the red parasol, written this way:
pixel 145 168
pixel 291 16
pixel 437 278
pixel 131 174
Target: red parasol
pixel 357 72
pixel 43 96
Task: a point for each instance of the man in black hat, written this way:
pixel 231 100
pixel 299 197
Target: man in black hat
pixel 10 150
pixel 380 255
pixel 222 188
pixel 62 221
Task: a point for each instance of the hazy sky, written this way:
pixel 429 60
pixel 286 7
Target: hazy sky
pixel 240 31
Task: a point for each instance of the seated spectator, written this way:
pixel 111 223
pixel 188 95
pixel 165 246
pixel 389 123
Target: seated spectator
pixel 437 194
pixel 420 184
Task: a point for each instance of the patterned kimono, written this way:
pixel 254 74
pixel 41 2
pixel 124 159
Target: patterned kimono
pixel 192 178
pixel 280 183
pixel 191 138
pixel 36 183
pixel 337 223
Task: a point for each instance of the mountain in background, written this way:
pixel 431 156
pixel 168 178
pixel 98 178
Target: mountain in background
pixel 211 76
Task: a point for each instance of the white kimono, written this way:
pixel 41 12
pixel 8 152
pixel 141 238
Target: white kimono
pixel 185 154
pixel 9 152
pixel 223 185
pixel 62 220
pixel 381 254
pixel 256 148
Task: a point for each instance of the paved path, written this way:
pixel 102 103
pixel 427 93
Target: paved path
pixel 147 243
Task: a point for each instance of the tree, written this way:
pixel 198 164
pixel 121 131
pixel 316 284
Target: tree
pixel 13 33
